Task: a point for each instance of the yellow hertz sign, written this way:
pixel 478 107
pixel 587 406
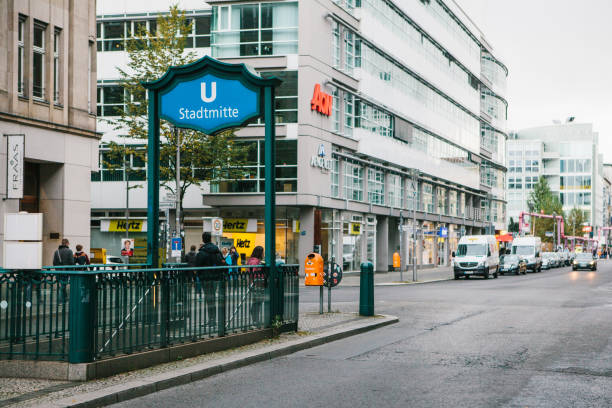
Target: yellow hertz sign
pixel 119 225
pixel 235 224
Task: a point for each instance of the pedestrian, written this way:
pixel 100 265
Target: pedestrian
pixel 258 284
pixel 209 255
pixel 234 255
pixel 190 257
pixel 63 256
pixel 80 257
pixel 228 260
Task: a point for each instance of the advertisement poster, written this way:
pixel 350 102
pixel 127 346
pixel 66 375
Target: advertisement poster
pixel 127 247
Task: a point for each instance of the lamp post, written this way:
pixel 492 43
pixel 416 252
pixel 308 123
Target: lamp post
pixel 414 174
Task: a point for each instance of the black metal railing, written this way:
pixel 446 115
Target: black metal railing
pixel 83 313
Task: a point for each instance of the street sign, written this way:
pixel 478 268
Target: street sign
pixel 443 232
pixel 217 227
pixel 176 246
pixel 167 205
pixel 549 234
pixel 210 101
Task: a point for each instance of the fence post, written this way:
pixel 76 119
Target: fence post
pixel 366 290
pixel 221 310
pixel 83 308
pixel 165 308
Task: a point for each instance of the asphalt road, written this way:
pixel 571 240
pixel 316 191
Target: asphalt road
pixel 541 340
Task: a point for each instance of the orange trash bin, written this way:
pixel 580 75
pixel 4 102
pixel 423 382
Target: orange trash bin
pixel 313 267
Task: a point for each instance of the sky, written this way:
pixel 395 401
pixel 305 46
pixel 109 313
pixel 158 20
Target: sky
pixel 559 59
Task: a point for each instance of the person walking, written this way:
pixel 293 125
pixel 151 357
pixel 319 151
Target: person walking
pixel 210 255
pixel 227 257
pixel 258 284
pixel 190 257
pixel 80 257
pixel 63 256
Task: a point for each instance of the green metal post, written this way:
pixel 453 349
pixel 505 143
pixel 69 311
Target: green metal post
pixel 270 210
pixel 153 182
pixel 83 301
pixel 366 290
pixel 221 318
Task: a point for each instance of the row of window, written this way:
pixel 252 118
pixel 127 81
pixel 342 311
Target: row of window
pixel 112 35
pixel 492 105
pixel 493 71
pixel 529 152
pixel 113 98
pixel 516 183
pixel 406 30
pixel 530 166
pixel 572 199
pixel 433 199
pixel 575 165
pixel 254 29
pixel 253 180
pixel 37 49
pixel 494 211
pixel 575 183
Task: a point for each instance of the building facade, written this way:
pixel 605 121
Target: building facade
pixel 48 97
pixel 416 127
pixel 567 156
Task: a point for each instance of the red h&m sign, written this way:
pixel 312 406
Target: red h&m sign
pixel 321 102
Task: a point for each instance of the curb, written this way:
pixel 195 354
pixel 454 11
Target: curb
pixel 159 382
pixel 405 283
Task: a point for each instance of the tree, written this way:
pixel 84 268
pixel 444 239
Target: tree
pixel 542 200
pixel 203 157
pixel 575 220
pixel 513 226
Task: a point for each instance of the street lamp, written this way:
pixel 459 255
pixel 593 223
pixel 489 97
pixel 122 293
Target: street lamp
pixel 414 174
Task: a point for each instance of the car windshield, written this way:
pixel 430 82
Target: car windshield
pixel 471 250
pixel 522 250
pixel 584 256
pixel 511 259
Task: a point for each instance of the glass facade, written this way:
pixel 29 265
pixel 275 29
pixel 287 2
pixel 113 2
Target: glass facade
pixel 376 186
pixel 254 29
pixel 353 181
pixel 395 185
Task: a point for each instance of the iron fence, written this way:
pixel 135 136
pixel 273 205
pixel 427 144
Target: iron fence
pixel 79 313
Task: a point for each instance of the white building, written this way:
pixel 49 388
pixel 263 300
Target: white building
pixel 567 156
pixel 415 86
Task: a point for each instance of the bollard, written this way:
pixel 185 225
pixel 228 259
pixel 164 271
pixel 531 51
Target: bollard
pixel 83 301
pixel 366 290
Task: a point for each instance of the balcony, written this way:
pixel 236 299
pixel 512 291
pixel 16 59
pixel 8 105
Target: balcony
pixel 550 155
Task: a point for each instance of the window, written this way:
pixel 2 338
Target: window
pixel 336 45
pixel 253 180
pixel 452 203
pixel 20 55
pixel 286 96
pixel 376 186
pixel 56 65
pixel 38 61
pixel 349 51
pixel 530 182
pixel 254 29
pixel 90 56
pixel 335 177
pixel 532 166
pixel 441 200
pixel 113 34
pixel 428 197
pixel 199 36
pixel 374 119
pixel 349 114
pixel 515 183
pixel 111 100
pixel 353 181
pixel 348 5
pixel 515 166
pixel 396 190
pixel 335 119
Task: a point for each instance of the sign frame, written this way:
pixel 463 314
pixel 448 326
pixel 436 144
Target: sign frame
pixel 265 107
pixel 17 141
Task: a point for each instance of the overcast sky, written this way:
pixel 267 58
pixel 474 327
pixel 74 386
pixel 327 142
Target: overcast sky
pixel 559 56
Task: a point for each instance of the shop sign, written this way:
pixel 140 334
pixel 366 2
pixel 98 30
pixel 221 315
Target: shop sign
pixel 587 228
pixel 320 159
pixel 443 232
pixel 119 226
pixel 240 224
pixel 321 101
pixel 355 228
pixel 296 226
pixel 14 171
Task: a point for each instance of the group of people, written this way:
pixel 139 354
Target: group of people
pixel 209 255
pixel 64 256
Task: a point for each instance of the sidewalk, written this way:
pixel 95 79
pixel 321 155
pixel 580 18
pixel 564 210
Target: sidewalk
pixel 314 330
pixel 393 278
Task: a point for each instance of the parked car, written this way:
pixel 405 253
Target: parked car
pixel 584 260
pixel 565 258
pixel 548 260
pixel 512 264
pixel 559 259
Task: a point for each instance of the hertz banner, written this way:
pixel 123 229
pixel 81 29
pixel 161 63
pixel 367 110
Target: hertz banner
pixel 119 225
pixel 240 225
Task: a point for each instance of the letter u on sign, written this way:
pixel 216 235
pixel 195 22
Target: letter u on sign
pixel 213 92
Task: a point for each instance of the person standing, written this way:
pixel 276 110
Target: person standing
pixel 258 284
pixel 190 257
pixel 234 255
pixel 210 255
pixel 63 256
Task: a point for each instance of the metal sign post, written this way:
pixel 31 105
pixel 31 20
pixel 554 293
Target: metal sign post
pixel 210 96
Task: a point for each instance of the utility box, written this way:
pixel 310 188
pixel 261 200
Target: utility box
pixel 313 267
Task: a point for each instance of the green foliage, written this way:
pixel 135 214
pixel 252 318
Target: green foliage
pixel 542 200
pixel 574 222
pixel 150 55
pixel 513 226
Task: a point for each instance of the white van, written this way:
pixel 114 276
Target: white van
pixel 476 255
pixel 529 248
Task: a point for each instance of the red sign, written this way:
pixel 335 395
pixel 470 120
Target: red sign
pixel 587 228
pixel 321 102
